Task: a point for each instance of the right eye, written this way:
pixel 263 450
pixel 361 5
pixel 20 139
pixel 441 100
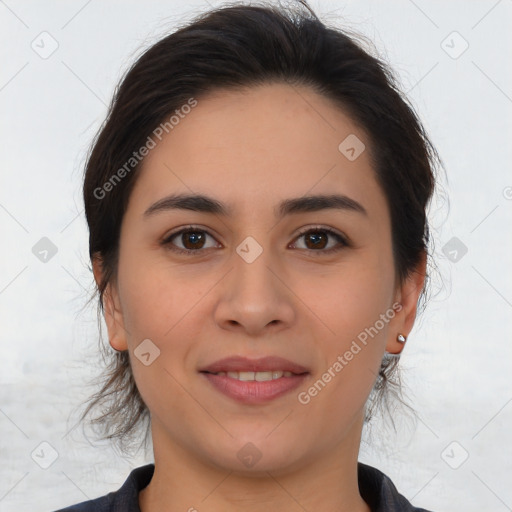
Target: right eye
pixel 193 240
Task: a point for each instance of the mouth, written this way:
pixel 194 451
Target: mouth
pixel 254 381
pixel 256 376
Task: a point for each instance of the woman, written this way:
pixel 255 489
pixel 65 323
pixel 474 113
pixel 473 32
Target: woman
pixel 256 204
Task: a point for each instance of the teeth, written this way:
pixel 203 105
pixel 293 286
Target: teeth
pixel 257 376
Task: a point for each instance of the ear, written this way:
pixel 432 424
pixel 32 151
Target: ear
pixel 111 309
pixel 407 295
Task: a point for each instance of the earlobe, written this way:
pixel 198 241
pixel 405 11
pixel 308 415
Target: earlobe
pixel 396 345
pixel 114 320
pixel 407 295
pixel 111 310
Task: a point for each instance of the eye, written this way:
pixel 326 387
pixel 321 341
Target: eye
pixel 317 238
pixel 193 239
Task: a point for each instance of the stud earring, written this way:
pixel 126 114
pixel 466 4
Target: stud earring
pixel 401 338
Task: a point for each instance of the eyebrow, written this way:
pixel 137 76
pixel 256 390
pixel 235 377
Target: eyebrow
pixel 205 204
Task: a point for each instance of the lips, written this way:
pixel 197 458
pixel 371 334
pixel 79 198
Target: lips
pixel 244 364
pixel 254 392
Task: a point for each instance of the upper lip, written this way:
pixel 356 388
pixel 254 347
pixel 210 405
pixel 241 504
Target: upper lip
pixel 244 364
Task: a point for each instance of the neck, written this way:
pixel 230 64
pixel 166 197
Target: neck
pixel 182 481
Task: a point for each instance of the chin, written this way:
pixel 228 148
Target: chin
pixel 256 455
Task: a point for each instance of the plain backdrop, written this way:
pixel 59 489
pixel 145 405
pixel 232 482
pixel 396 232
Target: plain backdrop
pixel 60 64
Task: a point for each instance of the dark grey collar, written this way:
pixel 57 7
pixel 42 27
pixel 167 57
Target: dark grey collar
pixel 374 486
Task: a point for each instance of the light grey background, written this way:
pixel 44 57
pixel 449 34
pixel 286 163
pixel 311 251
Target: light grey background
pixel 457 361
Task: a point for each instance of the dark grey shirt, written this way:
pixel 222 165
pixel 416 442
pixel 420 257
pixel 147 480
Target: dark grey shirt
pixel 374 486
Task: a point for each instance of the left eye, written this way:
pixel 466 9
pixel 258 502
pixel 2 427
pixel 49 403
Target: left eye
pixel 319 237
pixel 316 240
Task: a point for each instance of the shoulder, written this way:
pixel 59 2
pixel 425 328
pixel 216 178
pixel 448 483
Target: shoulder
pixel 125 499
pixel 380 493
pixel 103 504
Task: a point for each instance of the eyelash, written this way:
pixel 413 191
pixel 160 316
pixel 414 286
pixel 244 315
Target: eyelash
pixel 195 229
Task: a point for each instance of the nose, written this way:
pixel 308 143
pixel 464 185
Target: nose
pixel 255 297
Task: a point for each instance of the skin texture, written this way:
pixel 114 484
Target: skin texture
pixel 251 149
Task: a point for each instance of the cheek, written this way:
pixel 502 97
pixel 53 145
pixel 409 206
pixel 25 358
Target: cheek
pixel 352 333
pixel 351 360
pixel 158 304
pixel 350 298
pixel 155 297
pixel 163 305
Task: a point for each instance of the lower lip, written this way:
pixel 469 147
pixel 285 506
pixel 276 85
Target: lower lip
pixel 254 392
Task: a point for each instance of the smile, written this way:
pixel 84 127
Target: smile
pixel 257 376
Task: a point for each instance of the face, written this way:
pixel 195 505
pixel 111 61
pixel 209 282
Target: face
pixel 313 284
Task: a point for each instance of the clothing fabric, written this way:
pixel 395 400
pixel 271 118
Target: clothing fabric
pixel 374 486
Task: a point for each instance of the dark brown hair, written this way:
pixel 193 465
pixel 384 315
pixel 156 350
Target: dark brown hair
pixel 240 46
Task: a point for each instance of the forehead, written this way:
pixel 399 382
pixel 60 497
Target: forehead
pixel 260 144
